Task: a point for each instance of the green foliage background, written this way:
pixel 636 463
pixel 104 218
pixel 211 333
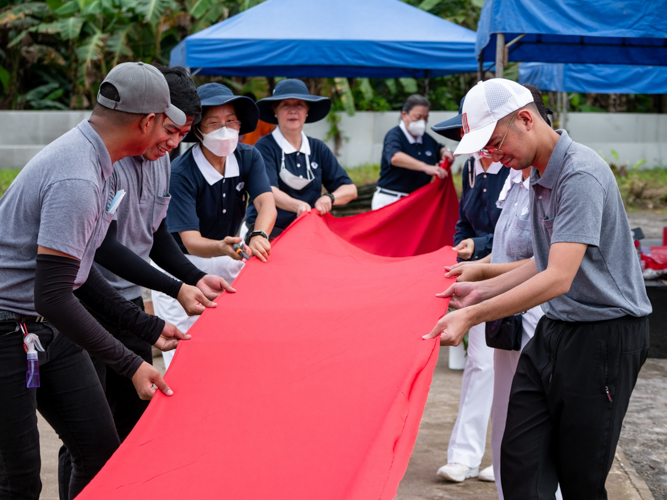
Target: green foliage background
pixel 55 53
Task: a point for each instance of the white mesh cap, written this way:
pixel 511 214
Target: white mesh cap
pixel 485 104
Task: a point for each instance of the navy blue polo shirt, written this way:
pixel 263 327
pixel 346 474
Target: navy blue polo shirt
pixel 401 179
pixel 323 163
pixel 203 200
pixel 478 213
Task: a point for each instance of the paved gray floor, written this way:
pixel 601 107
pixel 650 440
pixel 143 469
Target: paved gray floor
pixel 644 439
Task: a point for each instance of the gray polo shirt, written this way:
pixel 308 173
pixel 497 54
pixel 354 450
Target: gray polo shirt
pixel 577 200
pixel 146 185
pixel 57 201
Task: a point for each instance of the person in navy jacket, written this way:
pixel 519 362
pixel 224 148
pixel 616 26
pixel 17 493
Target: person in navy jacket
pixel 298 166
pixel 210 186
pixel 482 182
pixel 409 156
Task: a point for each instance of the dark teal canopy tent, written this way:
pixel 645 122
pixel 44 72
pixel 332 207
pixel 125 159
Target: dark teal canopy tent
pixel 315 38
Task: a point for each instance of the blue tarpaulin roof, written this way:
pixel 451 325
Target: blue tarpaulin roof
pixel 576 31
pixel 318 38
pixel 598 78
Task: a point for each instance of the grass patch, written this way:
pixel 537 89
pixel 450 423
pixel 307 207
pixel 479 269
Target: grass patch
pixel 364 174
pixel 7 176
pixel 643 189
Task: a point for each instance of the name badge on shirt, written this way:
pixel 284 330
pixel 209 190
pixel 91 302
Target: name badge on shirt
pixel 240 186
pixel 428 153
pixel 314 165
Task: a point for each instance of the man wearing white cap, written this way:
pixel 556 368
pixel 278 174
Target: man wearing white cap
pixel 574 379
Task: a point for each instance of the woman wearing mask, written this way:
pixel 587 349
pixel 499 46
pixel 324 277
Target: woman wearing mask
pixel 211 184
pixel 409 157
pixel 298 166
pixel 512 246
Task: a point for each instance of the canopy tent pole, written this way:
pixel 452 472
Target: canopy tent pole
pixel 500 54
pixel 480 69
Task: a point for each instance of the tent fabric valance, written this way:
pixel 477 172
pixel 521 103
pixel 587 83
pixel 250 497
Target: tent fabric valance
pixel 306 38
pixel 602 79
pixel 569 31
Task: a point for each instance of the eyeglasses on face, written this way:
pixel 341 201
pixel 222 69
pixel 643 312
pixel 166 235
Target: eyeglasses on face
pixel 489 152
pixel 233 124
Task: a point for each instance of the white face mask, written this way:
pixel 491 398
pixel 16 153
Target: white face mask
pixel 417 128
pixel 221 142
pixel 294 181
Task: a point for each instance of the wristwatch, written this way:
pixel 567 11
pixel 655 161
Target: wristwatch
pixel 258 233
pixel 333 198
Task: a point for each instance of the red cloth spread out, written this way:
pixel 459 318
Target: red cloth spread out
pixel 420 223
pixel 309 382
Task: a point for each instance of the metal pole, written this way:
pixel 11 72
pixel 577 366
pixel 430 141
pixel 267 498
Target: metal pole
pixel 500 54
pixel 480 69
pixel 566 101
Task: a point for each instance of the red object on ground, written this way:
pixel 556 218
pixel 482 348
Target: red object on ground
pixel 420 223
pixel 308 383
pixel 658 258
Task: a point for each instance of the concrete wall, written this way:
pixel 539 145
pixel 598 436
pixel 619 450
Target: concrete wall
pixel 633 136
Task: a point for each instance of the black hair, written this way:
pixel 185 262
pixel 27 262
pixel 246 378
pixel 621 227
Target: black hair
pixel 415 100
pixel 109 91
pixel 539 103
pixel 183 91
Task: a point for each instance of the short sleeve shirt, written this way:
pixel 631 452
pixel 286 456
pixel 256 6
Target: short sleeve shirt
pixel 404 180
pixel 204 200
pixel 146 186
pixel 577 201
pixel 326 170
pixel 512 240
pixel 57 201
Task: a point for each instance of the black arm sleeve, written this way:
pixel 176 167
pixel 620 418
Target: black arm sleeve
pixel 166 254
pixel 103 299
pixel 122 261
pixel 54 281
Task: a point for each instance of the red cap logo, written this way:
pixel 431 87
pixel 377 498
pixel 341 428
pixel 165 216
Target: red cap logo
pixel 464 119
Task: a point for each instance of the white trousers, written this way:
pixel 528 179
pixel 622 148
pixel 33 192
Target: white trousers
pixel 170 310
pixel 505 363
pixel 468 441
pixel 382 200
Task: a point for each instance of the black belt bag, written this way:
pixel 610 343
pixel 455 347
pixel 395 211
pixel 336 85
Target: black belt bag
pixel 505 333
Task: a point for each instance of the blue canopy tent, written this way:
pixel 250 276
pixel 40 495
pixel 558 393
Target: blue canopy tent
pixel 572 31
pixel 315 38
pixel 598 78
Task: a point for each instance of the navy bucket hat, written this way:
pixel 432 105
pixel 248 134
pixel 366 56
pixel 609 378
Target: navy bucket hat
pixel 451 129
pixel 217 94
pixel 293 89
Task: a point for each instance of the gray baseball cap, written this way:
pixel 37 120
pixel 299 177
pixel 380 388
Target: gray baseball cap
pixel 142 90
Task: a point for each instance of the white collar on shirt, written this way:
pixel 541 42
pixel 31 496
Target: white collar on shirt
pixel 411 139
pixel 209 172
pixel 514 177
pixel 287 147
pixel 495 167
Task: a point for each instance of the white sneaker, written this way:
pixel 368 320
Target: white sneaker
pixel 487 475
pixel 457 472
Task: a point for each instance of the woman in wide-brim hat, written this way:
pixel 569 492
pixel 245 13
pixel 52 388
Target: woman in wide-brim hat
pixel 211 185
pixel 298 166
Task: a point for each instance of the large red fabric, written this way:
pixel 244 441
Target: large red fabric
pixel 420 223
pixel 308 383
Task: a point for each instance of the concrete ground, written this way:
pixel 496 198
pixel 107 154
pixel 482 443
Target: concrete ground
pixel 644 438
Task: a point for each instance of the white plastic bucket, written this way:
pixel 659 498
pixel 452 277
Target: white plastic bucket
pixel 457 357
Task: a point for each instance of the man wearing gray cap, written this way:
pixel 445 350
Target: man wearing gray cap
pixel 52 218
pixel 574 379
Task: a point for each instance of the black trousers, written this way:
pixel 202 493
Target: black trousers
pixel 569 396
pixel 124 402
pixel 71 400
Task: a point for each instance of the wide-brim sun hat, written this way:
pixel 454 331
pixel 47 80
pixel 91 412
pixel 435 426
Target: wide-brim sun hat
pixel 485 104
pixel 451 129
pixel 217 94
pixel 293 89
